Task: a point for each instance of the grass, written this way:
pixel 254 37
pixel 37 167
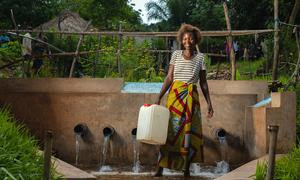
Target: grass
pixel 286 168
pixel 19 157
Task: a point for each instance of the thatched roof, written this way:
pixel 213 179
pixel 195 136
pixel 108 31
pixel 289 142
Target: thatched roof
pixel 65 21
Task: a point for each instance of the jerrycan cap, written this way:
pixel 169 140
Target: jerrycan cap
pixel 147 105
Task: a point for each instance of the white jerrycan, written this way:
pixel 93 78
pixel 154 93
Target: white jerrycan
pixel 152 127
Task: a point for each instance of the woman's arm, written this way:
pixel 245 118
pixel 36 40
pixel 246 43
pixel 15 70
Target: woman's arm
pixel 167 83
pixel 204 88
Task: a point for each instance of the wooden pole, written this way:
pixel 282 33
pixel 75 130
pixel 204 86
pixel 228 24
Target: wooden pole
pixel 13 19
pixel 77 50
pixel 151 34
pixel 167 48
pixel 296 72
pixel 295 76
pixel 276 42
pixel 47 154
pixel 38 40
pixel 229 41
pixel 98 55
pixel 119 49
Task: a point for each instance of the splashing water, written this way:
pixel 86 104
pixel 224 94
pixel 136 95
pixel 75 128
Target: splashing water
pixel 105 168
pixel 209 171
pixel 222 167
pixel 77 148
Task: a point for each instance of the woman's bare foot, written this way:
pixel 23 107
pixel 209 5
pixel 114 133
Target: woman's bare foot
pixel 158 172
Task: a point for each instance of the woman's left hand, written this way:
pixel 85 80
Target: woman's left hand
pixel 210 111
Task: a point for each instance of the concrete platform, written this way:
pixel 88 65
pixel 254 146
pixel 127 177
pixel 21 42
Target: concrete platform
pixel 246 171
pixel 70 172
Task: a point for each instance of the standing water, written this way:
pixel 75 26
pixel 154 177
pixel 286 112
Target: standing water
pixel 105 168
pixel 77 148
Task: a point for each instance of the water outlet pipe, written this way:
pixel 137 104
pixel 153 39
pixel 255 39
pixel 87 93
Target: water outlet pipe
pixel 81 129
pixel 108 131
pixel 133 133
pixel 220 133
pixel 273 131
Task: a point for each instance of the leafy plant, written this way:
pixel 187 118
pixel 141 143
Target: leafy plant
pixel 261 171
pixel 19 157
pixel 286 167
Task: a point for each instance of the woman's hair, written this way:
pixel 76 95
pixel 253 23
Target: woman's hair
pixel 191 29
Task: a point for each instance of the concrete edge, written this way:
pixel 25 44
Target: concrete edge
pixel 246 171
pixel 70 172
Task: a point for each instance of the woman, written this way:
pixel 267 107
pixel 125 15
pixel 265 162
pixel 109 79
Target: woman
pixel 184 143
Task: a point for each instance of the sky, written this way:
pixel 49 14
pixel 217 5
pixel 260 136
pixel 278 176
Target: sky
pixel 140 4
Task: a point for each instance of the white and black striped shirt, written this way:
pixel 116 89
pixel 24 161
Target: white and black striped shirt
pixel 187 70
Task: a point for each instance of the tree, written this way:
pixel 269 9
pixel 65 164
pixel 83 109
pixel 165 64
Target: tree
pixel 172 13
pixel 157 10
pixel 106 14
pixel 294 12
pixel 208 15
pixel 27 12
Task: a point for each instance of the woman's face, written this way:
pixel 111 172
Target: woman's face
pixel 188 41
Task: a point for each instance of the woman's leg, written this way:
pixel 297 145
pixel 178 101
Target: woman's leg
pixel 186 171
pixel 158 171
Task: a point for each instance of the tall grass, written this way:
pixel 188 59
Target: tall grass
pixel 286 168
pixel 19 157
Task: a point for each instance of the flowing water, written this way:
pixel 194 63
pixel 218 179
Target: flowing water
pixel 78 137
pixel 137 167
pixel 223 166
pixel 105 168
pixel 223 148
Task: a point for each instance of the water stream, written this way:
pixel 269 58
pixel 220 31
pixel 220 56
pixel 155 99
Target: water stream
pixel 223 148
pixel 136 156
pixel 103 167
pixel 223 166
pixel 78 137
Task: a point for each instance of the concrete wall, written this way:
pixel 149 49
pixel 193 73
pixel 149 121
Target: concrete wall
pixel 281 112
pixel 59 104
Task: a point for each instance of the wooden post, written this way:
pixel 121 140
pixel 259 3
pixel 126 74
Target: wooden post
pixel 98 55
pixel 77 50
pixel 276 42
pixel 168 54
pixel 13 19
pixel 119 49
pixel 47 154
pixel 229 41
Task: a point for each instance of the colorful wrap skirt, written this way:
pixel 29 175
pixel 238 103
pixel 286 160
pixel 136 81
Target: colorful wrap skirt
pixel 184 142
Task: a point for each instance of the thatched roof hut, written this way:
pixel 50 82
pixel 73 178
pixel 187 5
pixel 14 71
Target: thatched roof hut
pixel 65 21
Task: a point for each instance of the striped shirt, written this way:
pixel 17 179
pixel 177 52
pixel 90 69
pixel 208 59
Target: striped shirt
pixel 187 70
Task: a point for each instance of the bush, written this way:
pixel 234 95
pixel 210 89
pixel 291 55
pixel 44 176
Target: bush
pixel 19 157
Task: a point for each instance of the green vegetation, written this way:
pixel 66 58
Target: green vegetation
pixel 19 157
pixel 10 52
pixel 286 168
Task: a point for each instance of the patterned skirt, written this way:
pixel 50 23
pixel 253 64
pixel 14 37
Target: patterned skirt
pixel 184 142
